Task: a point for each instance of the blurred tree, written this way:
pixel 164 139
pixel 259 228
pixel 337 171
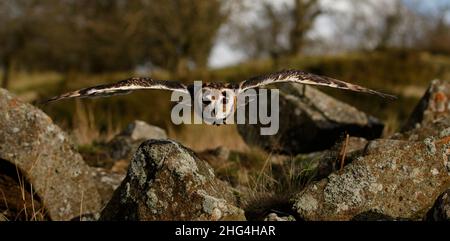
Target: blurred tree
pixel 108 35
pixel 304 14
pixel 280 30
pixel 380 25
pixel 437 38
pixel 16 31
pixel 179 34
pixel 389 26
pixel 266 37
pixel 87 36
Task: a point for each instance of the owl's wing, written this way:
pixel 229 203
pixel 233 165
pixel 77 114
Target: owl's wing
pixel 123 87
pixel 301 77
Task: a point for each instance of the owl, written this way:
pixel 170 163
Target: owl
pixel 219 98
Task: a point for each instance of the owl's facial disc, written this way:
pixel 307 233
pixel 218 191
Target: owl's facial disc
pixel 219 103
pixel 228 101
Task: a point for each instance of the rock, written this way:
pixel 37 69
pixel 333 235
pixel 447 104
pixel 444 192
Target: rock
pixel 432 108
pixel 126 143
pixel 275 217
pixel 441 209
pixel 374 216
pixel 120 166
pixel 17 201
pixel 431 117
pixel 139 130
pixel 311 122
pixel 107 182
pixel 318 165
pixel 86 217
pixel 166 181
pixel 46 157
pixel 217 158
pixel 395 178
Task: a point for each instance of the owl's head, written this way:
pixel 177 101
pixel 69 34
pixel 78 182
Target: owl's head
pixel 216 104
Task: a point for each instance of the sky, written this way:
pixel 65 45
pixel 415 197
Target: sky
pixel 224 55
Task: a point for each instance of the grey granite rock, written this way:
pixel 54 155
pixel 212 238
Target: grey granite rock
pixel 45 155
pixel 166 181
pixel 311 121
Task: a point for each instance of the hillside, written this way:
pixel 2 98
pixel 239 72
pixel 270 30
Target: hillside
pixel 405 74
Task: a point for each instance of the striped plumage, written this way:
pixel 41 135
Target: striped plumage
pixel 214 93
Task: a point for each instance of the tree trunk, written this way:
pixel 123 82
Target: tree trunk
pixel 6 73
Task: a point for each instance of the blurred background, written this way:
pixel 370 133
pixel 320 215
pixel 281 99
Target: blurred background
pixel 49 47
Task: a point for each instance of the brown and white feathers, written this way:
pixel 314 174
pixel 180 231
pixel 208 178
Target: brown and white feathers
pixel 292 76
pixel 218 99
pixel 123 87
pixel 301 77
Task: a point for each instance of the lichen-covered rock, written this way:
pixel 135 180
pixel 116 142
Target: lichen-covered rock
pixel 441 209
pixel 318 165
pixel 431 117
pixel 107 182
pixel 397 179
pixel 86 217
pixel 275 217
pixel 374 216
pixel 46 157
pixel 311 121
pixel 434 105
pixel 166 181
pixel 139 130
pixel 126 143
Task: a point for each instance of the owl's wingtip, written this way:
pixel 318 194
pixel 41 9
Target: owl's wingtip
pixel 387 96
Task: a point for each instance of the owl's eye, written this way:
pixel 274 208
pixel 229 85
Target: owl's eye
pixel 225 99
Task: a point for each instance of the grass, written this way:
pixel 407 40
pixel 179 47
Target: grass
pixel 19 199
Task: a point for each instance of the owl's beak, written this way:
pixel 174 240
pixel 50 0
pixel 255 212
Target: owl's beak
pixel 235 103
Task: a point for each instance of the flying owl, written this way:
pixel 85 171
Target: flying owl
pixel 222 97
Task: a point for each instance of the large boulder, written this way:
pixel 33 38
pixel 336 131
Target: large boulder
pixel 311 121
pixel 397 179
pixel 126 143
pixel 166 181
pixel 394 179
pixel 45 156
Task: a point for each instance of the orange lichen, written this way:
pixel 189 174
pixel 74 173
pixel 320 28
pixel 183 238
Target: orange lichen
pixel 13 103
pixel 444 140
pixel 440 97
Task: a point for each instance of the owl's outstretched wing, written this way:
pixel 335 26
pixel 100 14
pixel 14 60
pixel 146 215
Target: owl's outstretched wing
pixel 123 87
pixel 301 77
